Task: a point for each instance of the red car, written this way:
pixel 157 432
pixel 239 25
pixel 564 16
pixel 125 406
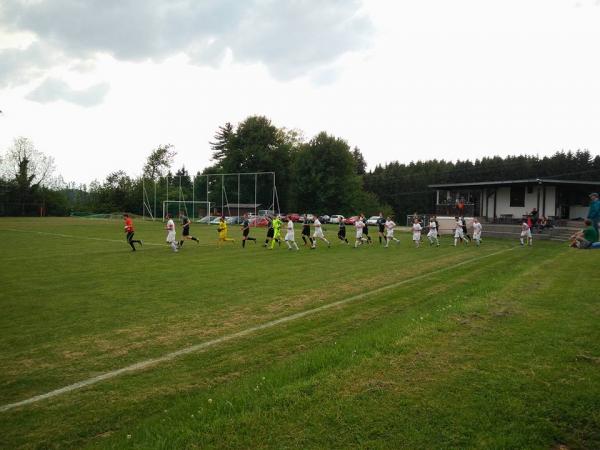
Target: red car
pixel 295 217
pixel 259 222
pixel 350 220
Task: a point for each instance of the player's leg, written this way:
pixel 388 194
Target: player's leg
pixel 130 241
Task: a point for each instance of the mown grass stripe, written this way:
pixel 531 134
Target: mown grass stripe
pixel 195 348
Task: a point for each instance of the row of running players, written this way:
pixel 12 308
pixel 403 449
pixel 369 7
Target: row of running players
pixel 386 232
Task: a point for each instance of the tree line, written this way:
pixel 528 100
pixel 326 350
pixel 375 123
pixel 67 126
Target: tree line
pixel 323 174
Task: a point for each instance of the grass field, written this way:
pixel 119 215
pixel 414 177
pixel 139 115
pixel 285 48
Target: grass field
pixel 490 347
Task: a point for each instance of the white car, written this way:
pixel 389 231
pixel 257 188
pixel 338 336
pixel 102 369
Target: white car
pixel 372 220
pixel 336 218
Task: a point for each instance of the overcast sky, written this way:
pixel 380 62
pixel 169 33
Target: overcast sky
pixel 98 84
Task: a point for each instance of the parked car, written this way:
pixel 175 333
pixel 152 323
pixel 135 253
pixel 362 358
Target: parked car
pixel 233 220
pixel 205 219
pixel 258 222
pixel 215 220
pixel 324 218
pixel 372 220
pixel 351 220
pixel 336 218
pixel 295 217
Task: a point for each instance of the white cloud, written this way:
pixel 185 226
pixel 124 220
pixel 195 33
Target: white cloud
pixel 291 37
pixel 52 90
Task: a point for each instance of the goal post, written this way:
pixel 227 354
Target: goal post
pixel 209 194
pixel 192 208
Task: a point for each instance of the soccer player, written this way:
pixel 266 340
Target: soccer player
pixel 222 229
pixel 477 231
pixel 342 232
pixel 276 231
pixel 130 232
pixel 306 231
pixel 290 239
pixel 381 228
pixel 458 231
pixel 416 228
pixel 246 231
pixel 466 236
pixel 433 231
pixel 185 229
pixel 389 226
pixel 359 225
pixel 526 234
pixel 318 234
pixel 170 227
pixel 366 231
pixel 270 231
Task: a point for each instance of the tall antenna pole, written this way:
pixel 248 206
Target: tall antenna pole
pixel 255 177
pixel 222 191
pixel 238 196
pixel 193 197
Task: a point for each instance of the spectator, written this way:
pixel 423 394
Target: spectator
pixel 460 207
pixel 534 216
pixel 594 212
pixel 585 238
pixel 543 224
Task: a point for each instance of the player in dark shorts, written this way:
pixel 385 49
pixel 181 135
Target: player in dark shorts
pixel 342 231
pixel 381 228
pixel 465 232
pixel 306 231
pixel 366 233
pixel 246 231
pixel 130 232
pixel 270 231
pixel 185 229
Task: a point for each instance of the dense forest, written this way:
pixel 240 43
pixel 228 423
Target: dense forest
pixel 320 175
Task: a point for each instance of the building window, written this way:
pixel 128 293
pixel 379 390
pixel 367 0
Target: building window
pixel 517 196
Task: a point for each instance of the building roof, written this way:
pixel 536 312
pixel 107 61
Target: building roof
pixel 510 182
pixel 242 205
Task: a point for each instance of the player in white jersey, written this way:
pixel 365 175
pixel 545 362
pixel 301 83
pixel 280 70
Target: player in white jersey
pixel 433 231
pixel 318 234
pixel 359 224
pixel 526 234
pixel 416 228
pixel 477 231
pixel 290 239
pixel 458 232
pixel 170 227
pixel 389 232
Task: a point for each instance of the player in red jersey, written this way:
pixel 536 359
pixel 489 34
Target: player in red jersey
pixel 130 232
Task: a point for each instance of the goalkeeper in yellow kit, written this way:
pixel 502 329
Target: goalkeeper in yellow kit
pixel 276 231
pixel 222 229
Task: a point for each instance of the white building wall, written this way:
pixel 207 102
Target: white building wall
pixel 503 202
pixel 531 201
pixel 578 211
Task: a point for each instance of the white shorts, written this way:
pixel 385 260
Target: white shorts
pixel 390 233
pixel 290 237
pixel 359 234
pixel 432 234
pixel 171 237
pixel 458 233
pixel 417 236
pixel 477 236
pixel 526 233
pixel 318 233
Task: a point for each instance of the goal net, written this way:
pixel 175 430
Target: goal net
pixel 194 209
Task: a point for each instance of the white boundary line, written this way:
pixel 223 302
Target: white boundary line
pixel 88 238
pixel 194 348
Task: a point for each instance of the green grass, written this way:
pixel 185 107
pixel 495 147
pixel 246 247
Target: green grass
pixel 494 352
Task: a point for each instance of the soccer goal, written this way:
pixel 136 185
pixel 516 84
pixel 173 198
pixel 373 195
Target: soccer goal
pixel 192 208
pixel 209 195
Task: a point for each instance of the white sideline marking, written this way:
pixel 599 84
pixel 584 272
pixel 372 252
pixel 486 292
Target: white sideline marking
pixel 194 348
pixel 86 238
